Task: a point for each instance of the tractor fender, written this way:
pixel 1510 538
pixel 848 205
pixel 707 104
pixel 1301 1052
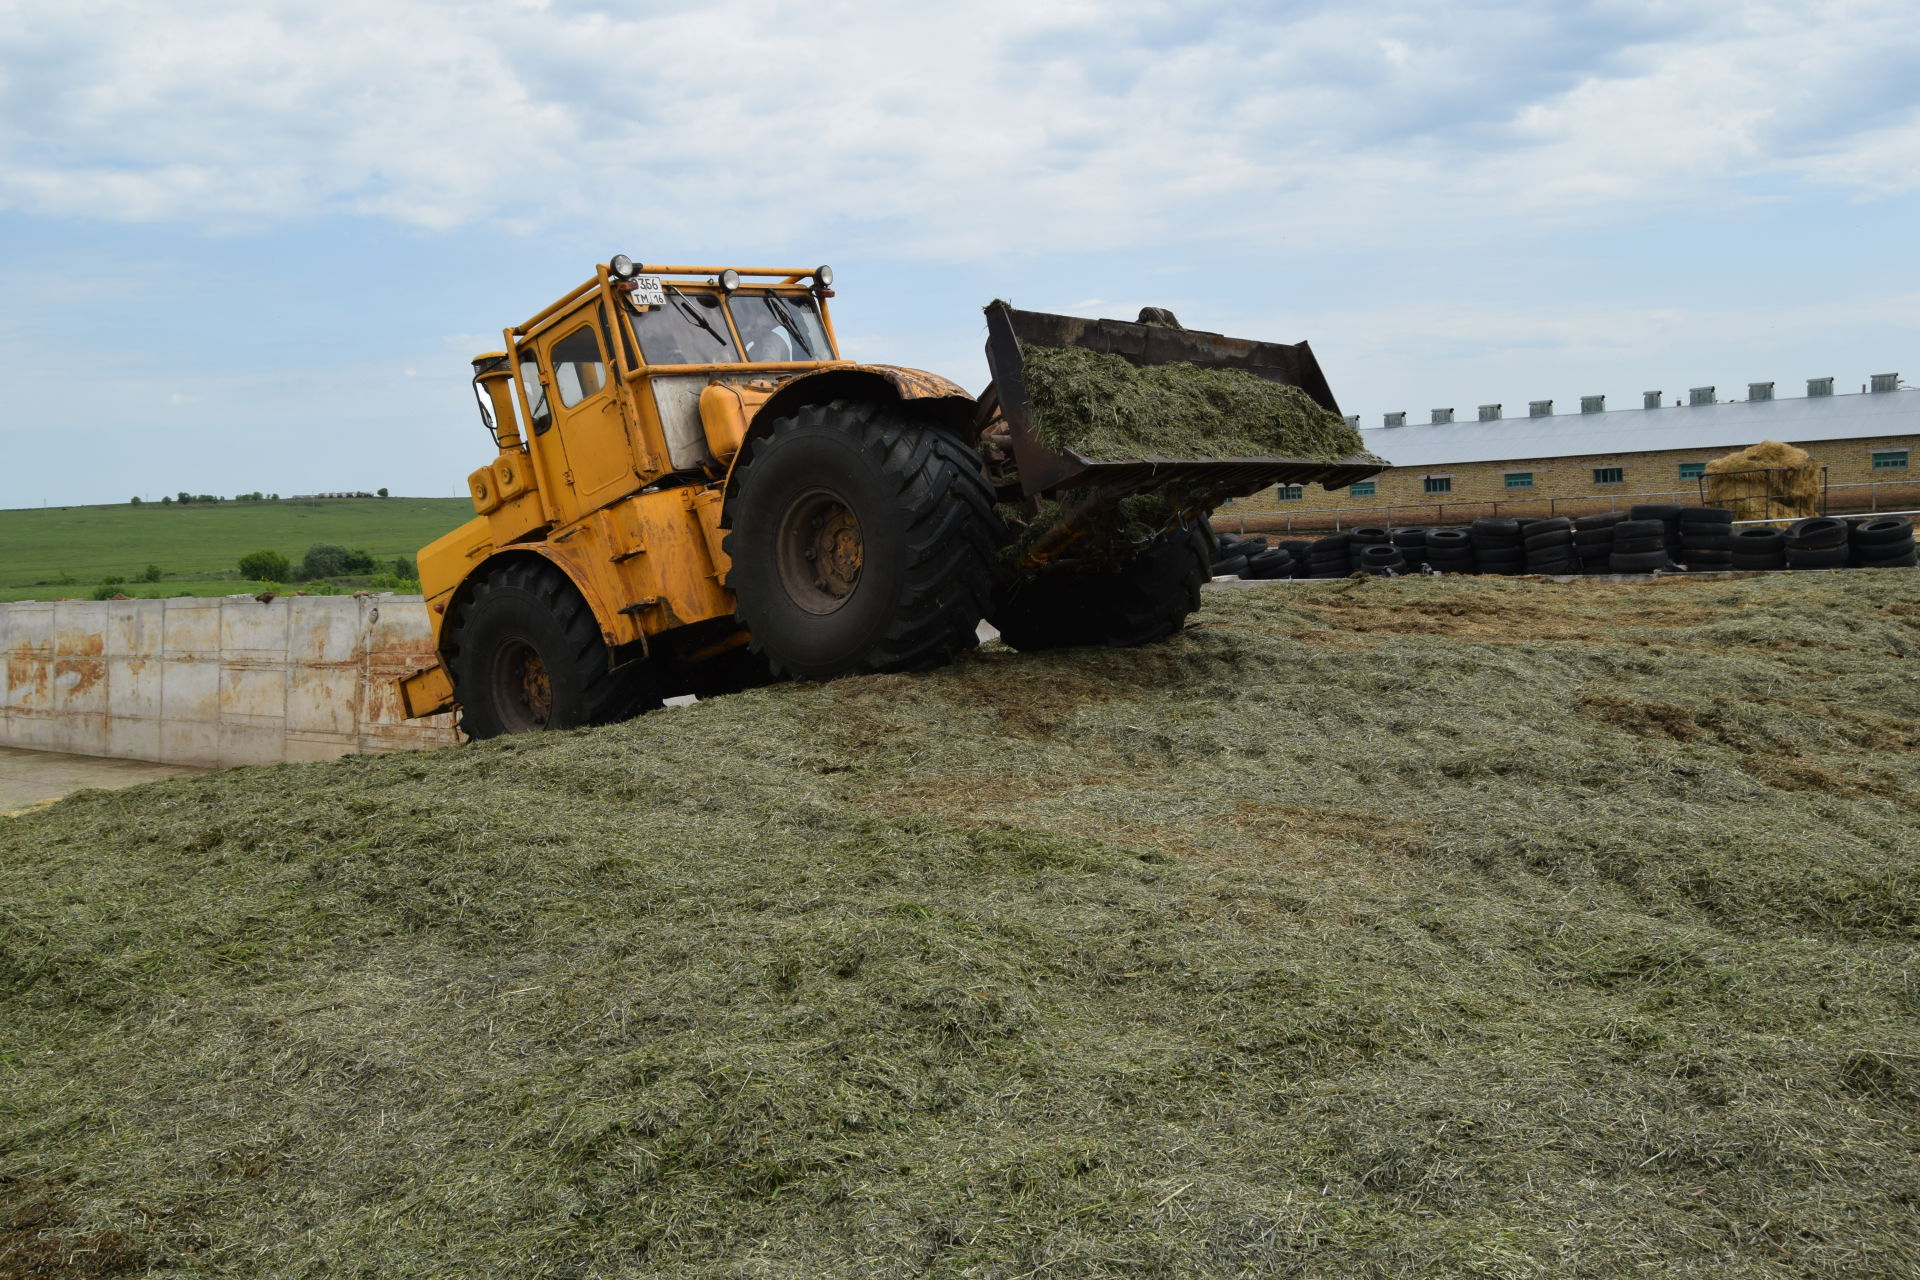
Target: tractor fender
pixel 605 611
pixel 947 403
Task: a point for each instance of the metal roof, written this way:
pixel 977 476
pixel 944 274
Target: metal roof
pixel 1733 425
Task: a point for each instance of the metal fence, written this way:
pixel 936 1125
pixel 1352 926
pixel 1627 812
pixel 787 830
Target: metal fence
pixel 1266 514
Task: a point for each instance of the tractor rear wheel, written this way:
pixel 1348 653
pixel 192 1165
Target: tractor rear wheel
pixel 526 654
pixel 1146 599
pixel 863 539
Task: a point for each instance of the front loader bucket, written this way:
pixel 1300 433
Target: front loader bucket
pixel 1201 482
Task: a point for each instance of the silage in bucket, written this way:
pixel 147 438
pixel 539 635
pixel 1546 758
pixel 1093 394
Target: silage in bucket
pixel 1766 481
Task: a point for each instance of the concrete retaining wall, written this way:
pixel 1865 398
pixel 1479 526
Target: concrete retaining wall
pixel 215 682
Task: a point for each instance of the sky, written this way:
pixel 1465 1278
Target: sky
pixel 254 245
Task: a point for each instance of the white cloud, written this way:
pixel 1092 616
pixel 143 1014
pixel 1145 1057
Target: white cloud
pixel 975 127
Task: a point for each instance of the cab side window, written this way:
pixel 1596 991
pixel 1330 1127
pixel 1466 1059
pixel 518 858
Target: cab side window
pixel 578 368
pixel 540 411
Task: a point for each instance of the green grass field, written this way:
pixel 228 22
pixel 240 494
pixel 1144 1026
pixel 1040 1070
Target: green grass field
pixel 198 548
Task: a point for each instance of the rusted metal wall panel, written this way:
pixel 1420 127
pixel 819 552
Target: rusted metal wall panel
pixel 215 682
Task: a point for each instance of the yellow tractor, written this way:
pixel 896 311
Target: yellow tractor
pixel 694 493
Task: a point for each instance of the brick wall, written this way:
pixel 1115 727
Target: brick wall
pixel 1565 486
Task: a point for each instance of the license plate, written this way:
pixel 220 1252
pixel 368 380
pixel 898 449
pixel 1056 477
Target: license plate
pixel 648 292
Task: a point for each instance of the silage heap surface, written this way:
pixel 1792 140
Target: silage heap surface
pixel 1371 928
pixel 1107 410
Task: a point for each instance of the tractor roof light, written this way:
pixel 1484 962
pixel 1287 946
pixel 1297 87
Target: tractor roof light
pixel 623 266
pixel 729 280
pixel 823 276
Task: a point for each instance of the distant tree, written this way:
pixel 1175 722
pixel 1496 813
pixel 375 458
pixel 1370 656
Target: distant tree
pixel 360 562
pixel 265 566
pixel 150 574
pixel 134 501
pixel 383 493
pixel 166 502
pixel 403 567
pixel 183 497
pixel 324 560
pixel 273 497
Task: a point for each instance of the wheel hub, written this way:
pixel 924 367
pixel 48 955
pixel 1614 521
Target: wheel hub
pixel 523 688
pixel 820 551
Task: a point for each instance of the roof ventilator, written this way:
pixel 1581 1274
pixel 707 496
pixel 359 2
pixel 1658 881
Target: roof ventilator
pixel 1886 382
pixel 1593 404
pixel 1442 415
pixel 1650 399
pixel 1702 395
pixel 1395 419
pixel 1539 408
pixel 1490 412
pixel 1759 391
pixel 1819 386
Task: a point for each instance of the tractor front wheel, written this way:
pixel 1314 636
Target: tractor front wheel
pixel 1143 600
pixel 526 654
pixel 863 539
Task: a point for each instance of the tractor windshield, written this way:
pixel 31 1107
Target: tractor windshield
pixel 780 326
pixel 690 329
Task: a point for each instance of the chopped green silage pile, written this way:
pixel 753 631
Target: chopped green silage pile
pixel 1459 927
pixel 1107 410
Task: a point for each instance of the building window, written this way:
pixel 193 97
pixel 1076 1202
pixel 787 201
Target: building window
pixel 1361 489
pixel 1609 475
pixel 1692 470
pixel 1437 484
pixel 1519 479
pixel 1289 492
pixel 1890 460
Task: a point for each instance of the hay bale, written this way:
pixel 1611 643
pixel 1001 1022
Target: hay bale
pixel 1766 481
pixel 1108 410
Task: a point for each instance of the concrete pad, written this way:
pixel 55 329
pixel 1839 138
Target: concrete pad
pixel 29 778
pixel 253 632
pixel 322 629
pixel 79 628
pixel 192 628
pixel 190 691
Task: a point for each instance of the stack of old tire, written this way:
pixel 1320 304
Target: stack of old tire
pixel 1329 557
pixel 1371 551
pixel 1413 547
pixel 1549 546
pixel 1593 540
pixel 1885 542
pixel 1668 514
pixel 1639 545
pixel 1449 550
pixel 1820 542
pixel 1497 546
pixel 1758 547
pixel 1250 557
pixel 1706 539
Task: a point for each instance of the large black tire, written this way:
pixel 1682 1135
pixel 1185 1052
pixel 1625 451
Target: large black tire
pixel 1816 557
pixel 863 539
pixel 1818 533
pixel 525 654
pixel 1146 599
pixel 1883 530
pixel 1758 540
pixel 1637 561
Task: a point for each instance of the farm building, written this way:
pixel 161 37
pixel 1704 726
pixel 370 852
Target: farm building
pixel 1447 471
